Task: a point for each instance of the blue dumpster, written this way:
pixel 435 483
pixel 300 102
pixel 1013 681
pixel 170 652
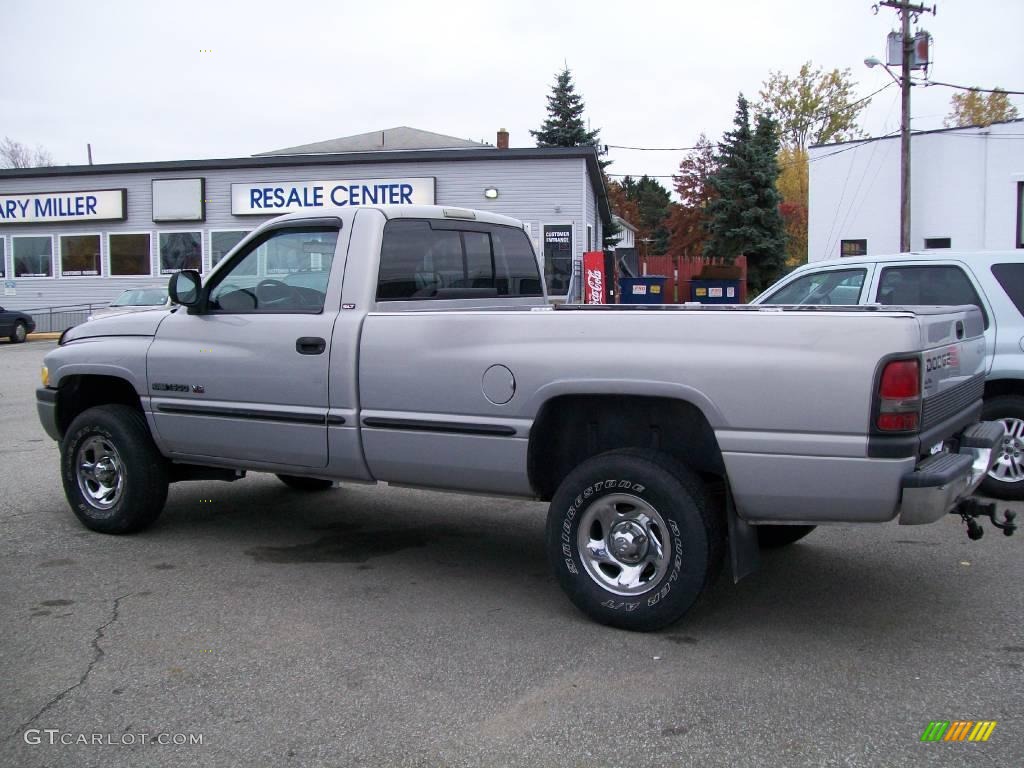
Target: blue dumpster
pixel 715 291
pixel 649 289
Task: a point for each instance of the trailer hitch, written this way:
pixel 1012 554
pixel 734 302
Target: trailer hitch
pixel 971 509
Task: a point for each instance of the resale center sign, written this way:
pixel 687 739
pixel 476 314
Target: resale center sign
pixel 277 197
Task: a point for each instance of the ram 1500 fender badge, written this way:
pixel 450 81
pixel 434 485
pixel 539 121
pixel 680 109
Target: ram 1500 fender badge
pixel 170 387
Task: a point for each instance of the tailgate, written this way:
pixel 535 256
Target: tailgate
pixel 952 380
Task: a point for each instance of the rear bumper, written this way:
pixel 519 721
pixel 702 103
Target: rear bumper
pixel 940 481
pixel 46 407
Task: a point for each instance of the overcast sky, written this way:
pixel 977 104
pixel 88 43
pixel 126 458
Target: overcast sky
pixel 133 78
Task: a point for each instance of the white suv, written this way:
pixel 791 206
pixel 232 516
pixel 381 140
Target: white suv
pixel 991 280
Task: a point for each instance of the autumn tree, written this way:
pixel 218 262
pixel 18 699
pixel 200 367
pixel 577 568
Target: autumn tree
pixel 813 107
pixel 793 188
pixel 653 203
pixel 687 224
pixel 744 216
pixel 976 108
pixel 14 154
pixel 621 205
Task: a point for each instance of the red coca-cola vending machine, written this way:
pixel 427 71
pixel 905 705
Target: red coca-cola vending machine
pixel 598 278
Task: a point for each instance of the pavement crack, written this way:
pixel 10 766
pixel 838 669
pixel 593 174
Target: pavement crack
pixel 98 654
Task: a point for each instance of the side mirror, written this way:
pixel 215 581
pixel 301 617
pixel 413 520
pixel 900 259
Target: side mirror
pixel 185 287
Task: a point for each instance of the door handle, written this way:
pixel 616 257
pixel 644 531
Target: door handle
pixel 310 345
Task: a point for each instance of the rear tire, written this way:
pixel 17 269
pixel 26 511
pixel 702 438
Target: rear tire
pixel 20 332
pixel 775 536
pixel 114 477
pixel 633 539
pixel 308 484
pixel 1006 480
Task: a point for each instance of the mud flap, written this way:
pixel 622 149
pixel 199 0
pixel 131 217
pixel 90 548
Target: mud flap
pixel 744 550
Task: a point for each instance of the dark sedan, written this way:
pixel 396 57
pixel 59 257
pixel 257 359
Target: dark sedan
pixel 16 325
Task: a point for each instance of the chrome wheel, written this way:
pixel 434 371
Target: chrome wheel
pixel 624 544
pixel 100 472
pixel 1009 466
pixel 20 334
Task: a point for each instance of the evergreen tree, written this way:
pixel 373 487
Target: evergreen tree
pixel 744 218
pixel 564 126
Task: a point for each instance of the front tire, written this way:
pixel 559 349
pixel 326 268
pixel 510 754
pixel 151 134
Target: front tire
pixel 308 484
pixel 775 536
pixel 20 332
pixel 1006 479
pixel 633 539
pixel 114 477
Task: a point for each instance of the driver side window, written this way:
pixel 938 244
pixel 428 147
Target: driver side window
pixel 285 270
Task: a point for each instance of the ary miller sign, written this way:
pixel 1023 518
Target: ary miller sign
pixel 282 197
pixel 44 207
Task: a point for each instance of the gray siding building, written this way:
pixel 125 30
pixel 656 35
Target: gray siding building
pixel 82 234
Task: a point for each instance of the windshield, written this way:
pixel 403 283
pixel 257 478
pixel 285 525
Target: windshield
pixel 141 297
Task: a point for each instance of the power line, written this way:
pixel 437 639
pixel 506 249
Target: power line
pixel 973 88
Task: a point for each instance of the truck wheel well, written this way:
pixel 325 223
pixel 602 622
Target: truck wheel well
pixel 79 393
pixel 572 428
pixel 1004 387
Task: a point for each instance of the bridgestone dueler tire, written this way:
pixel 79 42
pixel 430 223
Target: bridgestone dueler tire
pixel 305 483
pixel 695 530
pixel 145 472
pixel 775 536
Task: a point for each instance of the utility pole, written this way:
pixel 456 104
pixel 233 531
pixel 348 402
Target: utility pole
pixel 906 10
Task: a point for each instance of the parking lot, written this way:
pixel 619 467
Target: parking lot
pixel 373 626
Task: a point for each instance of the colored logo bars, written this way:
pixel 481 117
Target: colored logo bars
pixel 958 730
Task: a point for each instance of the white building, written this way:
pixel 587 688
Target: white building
pixel 967 186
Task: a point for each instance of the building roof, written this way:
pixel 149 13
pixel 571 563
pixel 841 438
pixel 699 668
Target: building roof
pixel 623 223
pixel 896 136
pixel 400 138
pixel 588 154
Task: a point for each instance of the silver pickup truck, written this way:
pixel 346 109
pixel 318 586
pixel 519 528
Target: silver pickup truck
pixel 416 346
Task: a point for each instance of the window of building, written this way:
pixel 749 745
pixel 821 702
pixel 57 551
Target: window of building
pixel 3 258
pixel 1020 214
pixel 180 250
pixel 1011 278
pixel 938 284
pixel 590 237
pixel 934 243
pixel 446 260
pixel 853 248
pixel 836 286
pixel 222 241
pixel 130 255
pixel 33 256
pixel 79 255
pixel 255 281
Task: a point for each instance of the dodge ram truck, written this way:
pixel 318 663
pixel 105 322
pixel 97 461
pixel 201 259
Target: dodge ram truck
pixel 415 346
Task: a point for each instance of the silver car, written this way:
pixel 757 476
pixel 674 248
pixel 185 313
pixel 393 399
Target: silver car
pixel 993 281
pixel 136 300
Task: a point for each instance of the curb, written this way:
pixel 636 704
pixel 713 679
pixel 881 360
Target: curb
pixel 44 336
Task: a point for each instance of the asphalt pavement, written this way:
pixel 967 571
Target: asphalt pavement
pixel 374 626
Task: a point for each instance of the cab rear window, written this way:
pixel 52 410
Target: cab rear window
pixel 1011 278
pixel 428 259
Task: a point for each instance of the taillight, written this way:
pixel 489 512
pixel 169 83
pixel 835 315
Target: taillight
pixel 899 397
